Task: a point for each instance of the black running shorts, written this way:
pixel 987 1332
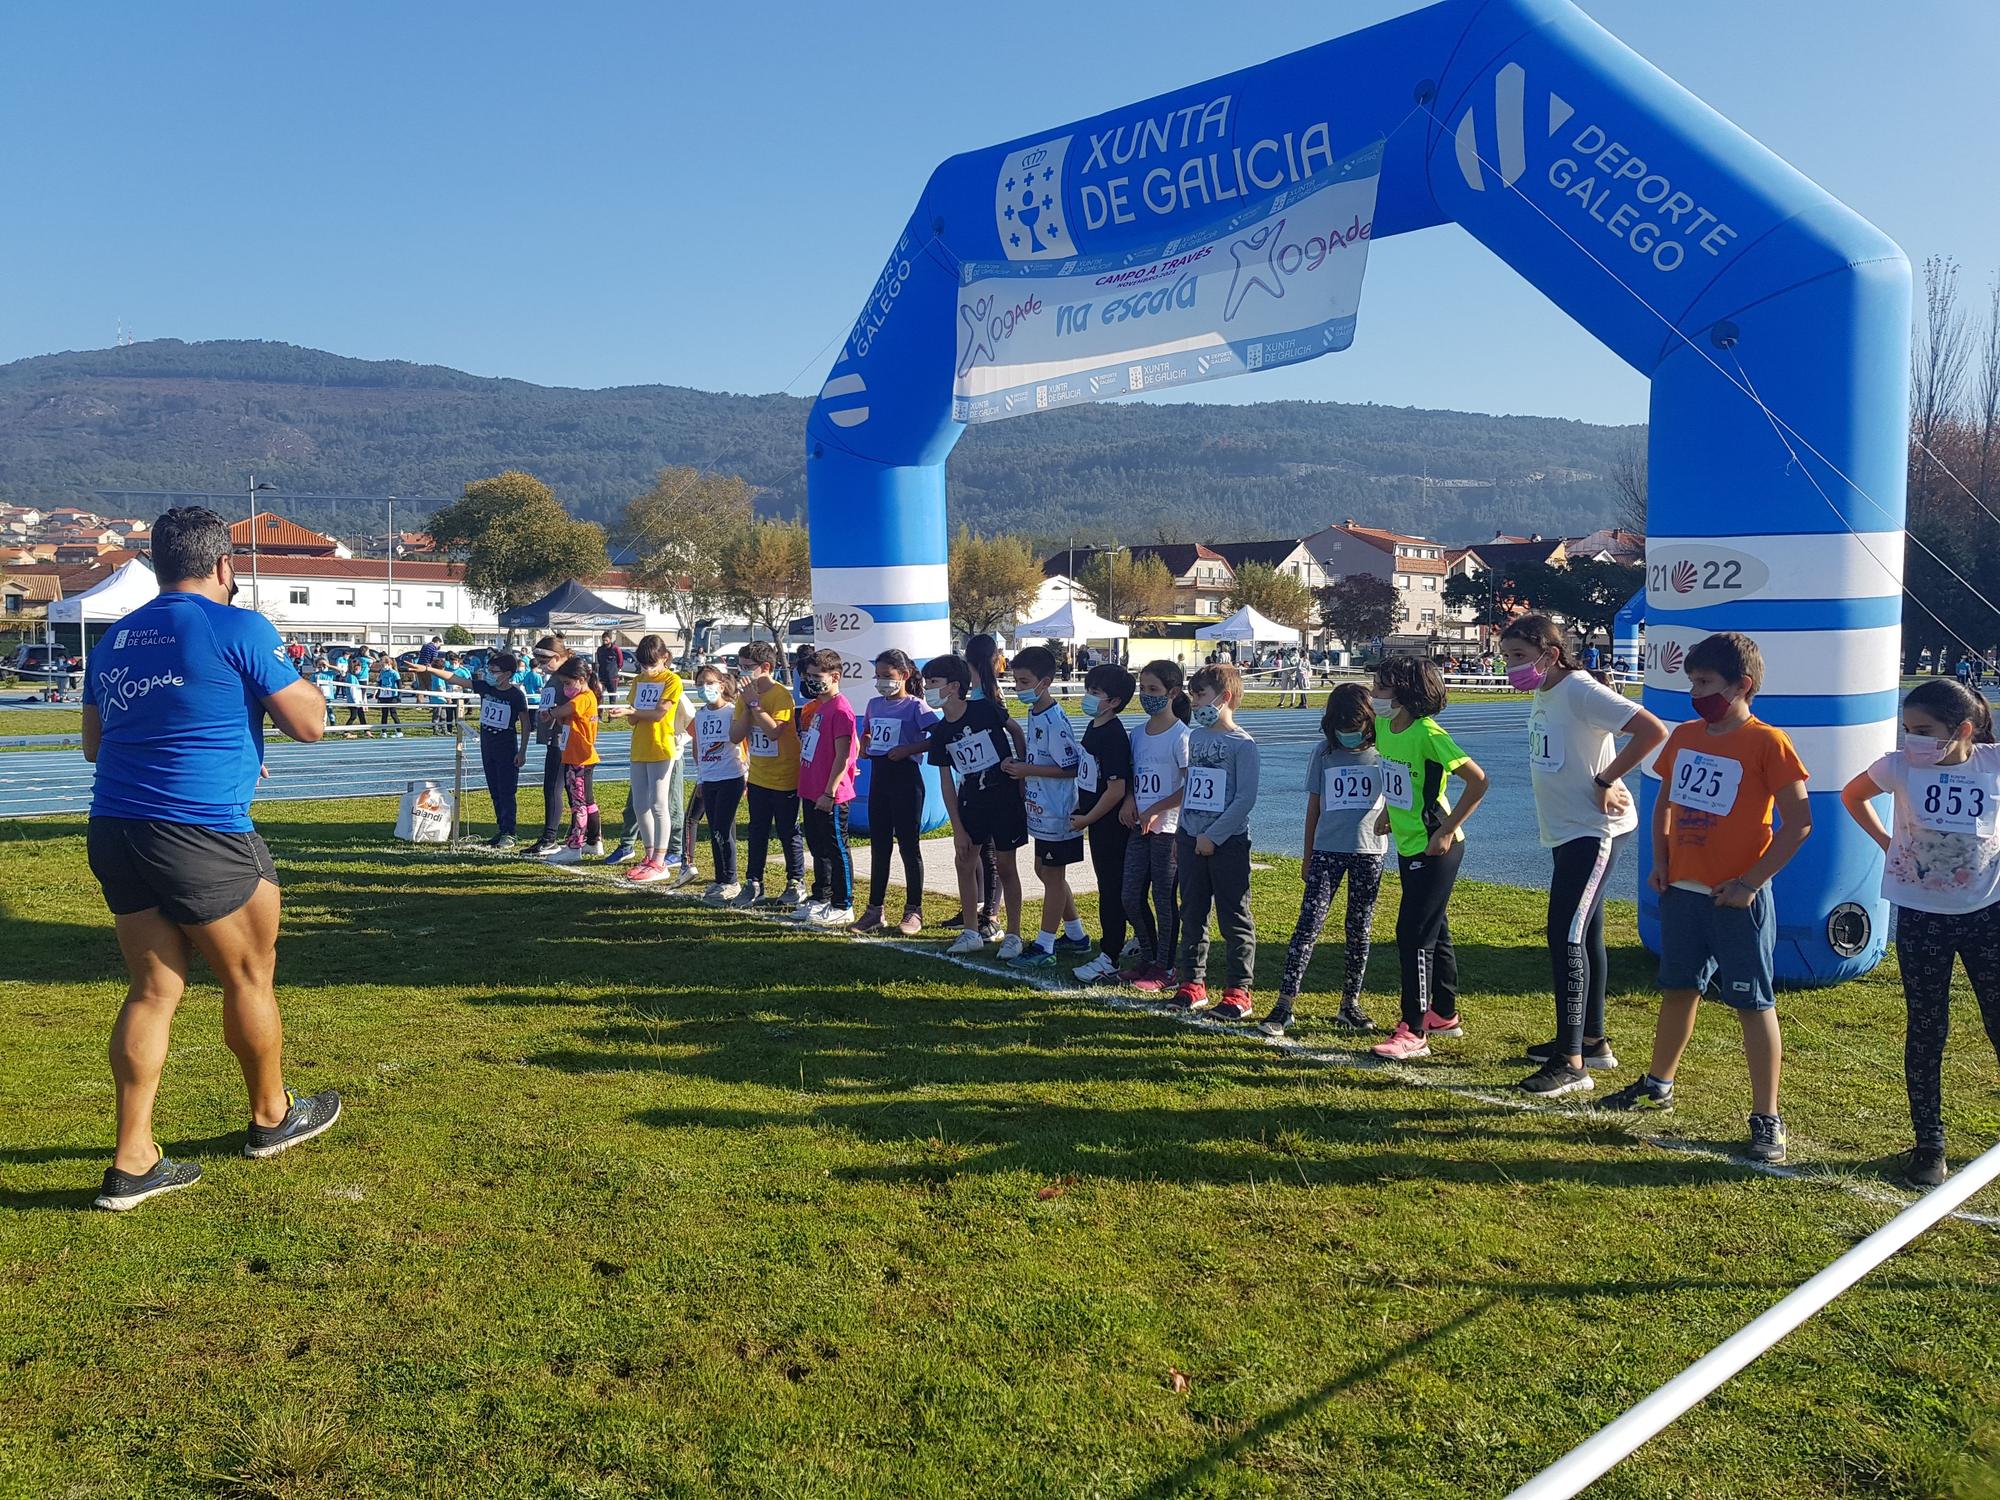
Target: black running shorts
pixel 190 875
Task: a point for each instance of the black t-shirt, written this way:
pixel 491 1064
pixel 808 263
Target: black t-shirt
pixel 517 708
pixel 610 662
pixel 974 745
pixel 1109 746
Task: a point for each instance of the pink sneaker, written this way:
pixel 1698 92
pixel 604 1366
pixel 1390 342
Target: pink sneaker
pixel 1152 979
pixel 1437 1025
pixel 646 872
pixel 1403 1044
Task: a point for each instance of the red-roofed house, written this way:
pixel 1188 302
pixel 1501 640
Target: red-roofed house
pixel 274 536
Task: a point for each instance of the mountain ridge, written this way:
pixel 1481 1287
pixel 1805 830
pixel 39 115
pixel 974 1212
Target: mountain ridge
pixel 197 417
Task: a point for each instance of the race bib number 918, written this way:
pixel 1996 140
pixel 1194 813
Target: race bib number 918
pixel 1396 787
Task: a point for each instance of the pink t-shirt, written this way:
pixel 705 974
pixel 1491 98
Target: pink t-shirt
pixel 832 721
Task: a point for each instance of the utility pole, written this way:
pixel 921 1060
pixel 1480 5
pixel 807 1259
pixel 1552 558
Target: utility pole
pixel 389 596
pixel 256 601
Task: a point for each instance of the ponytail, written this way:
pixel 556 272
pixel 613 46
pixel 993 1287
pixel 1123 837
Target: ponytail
pixel 1543 634
pixel 1952 703
pixel 979 654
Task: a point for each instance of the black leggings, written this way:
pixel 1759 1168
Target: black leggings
pixel 1576 938
pixel 895 816
pixel 552 794
pixel 719 800
pixel 1926 943
pixel 1423 935
pixel 772 810
pixel 1108 838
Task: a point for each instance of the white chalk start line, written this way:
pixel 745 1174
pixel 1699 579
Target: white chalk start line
pixel 611 877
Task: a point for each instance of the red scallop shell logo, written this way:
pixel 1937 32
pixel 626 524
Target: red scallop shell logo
pixel 1683 577
pixel 1671 658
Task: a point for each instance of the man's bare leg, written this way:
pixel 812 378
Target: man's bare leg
pixel 156 958
pixel 242 949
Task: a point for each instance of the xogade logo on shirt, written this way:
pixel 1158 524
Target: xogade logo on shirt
pixel 120 689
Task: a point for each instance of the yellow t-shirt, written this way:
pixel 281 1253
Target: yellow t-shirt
pixel 773 758
pixel 655 740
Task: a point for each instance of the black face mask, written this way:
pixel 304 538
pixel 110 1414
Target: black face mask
pixel 233 585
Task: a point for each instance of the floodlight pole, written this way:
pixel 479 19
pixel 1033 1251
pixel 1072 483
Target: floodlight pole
pixel 256 600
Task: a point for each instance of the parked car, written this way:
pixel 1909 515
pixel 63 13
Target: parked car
pixel 49 665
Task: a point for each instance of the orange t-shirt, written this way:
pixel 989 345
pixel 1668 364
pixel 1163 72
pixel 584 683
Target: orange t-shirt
pixel 1718 790
pixel 578 732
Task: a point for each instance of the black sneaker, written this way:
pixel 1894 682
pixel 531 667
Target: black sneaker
pixel 1354 1018
pixel 1646 1093
pixel 1923 1166
pixel 122 1190
pixel 1767 1138
pixel 304 1119
pixel 1280 1017
pixel 1555 1078
pixel 540 847
pixel 1597 1054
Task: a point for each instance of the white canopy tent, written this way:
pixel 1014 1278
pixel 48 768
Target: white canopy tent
pixel 130 585
pixel 1073 621
pixel 1247 625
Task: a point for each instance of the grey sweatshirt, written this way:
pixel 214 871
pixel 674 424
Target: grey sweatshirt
pixel 1232 755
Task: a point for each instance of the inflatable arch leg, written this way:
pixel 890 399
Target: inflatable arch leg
pixel 1772 321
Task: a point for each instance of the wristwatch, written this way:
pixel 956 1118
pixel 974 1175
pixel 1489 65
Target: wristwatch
pixel 1607 785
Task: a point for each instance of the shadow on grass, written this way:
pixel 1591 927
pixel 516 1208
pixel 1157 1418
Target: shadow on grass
pixel 1190 1474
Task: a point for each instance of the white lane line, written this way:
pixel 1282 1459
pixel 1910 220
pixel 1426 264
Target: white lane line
pixel 1865 1189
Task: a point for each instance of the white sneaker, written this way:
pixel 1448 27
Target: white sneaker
pixel 967 942
pixel 1097 970
pixel 729 892
pixel 811 911
pixel 594 851
pixel 834 916
pixel 1010 947
pixel 568 854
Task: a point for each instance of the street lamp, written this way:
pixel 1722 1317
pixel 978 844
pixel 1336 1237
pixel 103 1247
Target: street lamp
pixel 256 602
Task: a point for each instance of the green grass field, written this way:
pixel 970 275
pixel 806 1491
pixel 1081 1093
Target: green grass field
pixel 633 1198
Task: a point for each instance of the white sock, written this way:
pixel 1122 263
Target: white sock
pixel 1073 929
pixel 1045 939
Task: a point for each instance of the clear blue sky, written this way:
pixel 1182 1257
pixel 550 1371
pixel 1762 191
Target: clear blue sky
pixel 616 193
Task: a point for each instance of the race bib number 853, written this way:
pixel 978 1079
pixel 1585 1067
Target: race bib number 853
pixel 1953 802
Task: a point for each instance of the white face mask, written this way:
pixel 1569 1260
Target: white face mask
pixel 889 687
pixel 1922 750
pixel 934 697
pixel 1384 707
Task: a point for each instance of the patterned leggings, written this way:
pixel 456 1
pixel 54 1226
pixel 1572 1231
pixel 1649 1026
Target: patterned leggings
pixel 1152 896
pixel 584 826
pixel 1324 871
pixel 1926 944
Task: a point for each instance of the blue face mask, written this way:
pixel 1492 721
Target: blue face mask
pixel 1092 704
pixel 1205 715
pixel 1350 739
pixel 1154 702
pixel 496 679
pixel 1030 696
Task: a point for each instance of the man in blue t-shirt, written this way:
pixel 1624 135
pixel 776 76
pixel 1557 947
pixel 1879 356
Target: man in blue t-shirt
pixel 173 719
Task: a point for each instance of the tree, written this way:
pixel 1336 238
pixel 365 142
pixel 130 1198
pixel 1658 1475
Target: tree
pixel 515 540
pixel 994 580
pixel 1274 595
pixel 1126 588
pixel 678 531
pixel 1628 478
pixel 767 574
pixel 456 635
pixel 1361 607
pixel 1591 592
pixel 1476 597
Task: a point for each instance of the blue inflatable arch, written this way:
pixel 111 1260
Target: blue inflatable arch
pixel 1772 321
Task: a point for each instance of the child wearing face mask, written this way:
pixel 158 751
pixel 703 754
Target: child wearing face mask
pixel 1583 812
pixel 1714 855
pixel 1214 844
pixel 1942 873
pixel 576 743
pixel 827 760
pixel 1417 756
pixel 1103 777
pixel 1047 774
pixel 1343 802
pixel 894 729
pixel 719 775
pixel 1151 892
pixel 503 736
